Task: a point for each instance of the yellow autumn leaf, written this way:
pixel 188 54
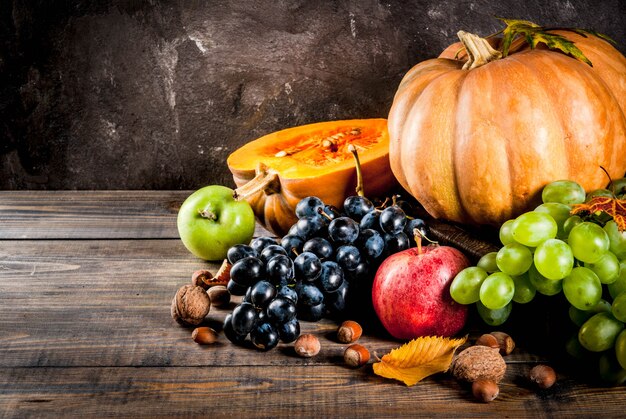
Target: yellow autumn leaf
pixel 418 359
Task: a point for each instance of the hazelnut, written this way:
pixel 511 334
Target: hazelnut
pixel 356 355
pixel 349 331
pixel 307 345
pixel 190 305
pixel 479 362
pixel 542 376
pixel 201 278
pixel 204 335
pixel 506 342
pixel 485 390
pixel 219 296
pixel 488 340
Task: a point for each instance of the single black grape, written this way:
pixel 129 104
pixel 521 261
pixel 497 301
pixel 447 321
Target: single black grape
pixel 230 333
pixel 289 332
pixel 235 288
pixel 264 336
pixel 357 206
pixel 395 243
pixel 320 247
pixel 293 230
pixel 279 270
pixel 261 243
pixel 247 271
pixel 392 219
pixel 310 226
pixel 371 220
pixel 288 292
pixel 262 293
pixel 370 243
pixel 331 277
pixel 309 206
pixel 281 310
pixel 307 266
pixel 292 243
pixel 243 318
pixel 309 295
pixel 271 251
pixel 336 302
pixel 240 251
pixel 311 313
pixel 343 230
pixel 416 224
pixel 348 257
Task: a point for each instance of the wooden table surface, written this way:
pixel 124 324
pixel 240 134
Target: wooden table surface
pixel 86 280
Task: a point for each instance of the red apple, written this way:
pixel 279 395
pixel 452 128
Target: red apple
pixel 411 292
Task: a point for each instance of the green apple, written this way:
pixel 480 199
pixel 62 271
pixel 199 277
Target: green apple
pixel 210 221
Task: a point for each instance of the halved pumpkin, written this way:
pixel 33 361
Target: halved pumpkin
pixel 274 172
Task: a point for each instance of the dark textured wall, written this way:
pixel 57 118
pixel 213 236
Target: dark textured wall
pixel 150 94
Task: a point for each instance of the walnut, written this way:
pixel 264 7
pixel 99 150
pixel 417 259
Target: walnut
pixel 190 305
pixel 479 363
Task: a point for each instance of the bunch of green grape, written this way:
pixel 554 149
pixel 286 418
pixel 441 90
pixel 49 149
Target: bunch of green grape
pixel 549 251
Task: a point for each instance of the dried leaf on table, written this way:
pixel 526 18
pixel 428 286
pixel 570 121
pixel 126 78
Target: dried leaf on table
pixel 614 207
pixel 418 359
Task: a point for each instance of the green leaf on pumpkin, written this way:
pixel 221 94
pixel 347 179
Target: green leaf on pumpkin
pixel 535 35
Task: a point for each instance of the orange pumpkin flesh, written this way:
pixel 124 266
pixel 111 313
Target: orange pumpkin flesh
pixel 274 172
pixel 476 146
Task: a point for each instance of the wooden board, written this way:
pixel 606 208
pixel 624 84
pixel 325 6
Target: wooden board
pixel 85 330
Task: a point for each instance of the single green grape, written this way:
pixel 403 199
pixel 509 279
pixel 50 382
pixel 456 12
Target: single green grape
pixel 619 186
pixel 610 370
pixel 544 285
pixel 497 290
pixel 582 288
pixel 570 223
pixel 524 290
pixel 607 268
pixel 618 308
pixel 494 317
pixel 532 228
pixel 599 332
pixel 488 262
pixel 619 286
pixel 554 259
pixel 579 317
pixel 505 233
pixel 565 192
pixel 560 213
pixel 575 349
pixel 588 242
pixel 465 287
pixel 617 239
pixel 514 259
pixel 598 192
pixel 620 349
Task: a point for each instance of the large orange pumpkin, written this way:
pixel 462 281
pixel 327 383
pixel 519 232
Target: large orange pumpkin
pixel 477 145
pixel 274 172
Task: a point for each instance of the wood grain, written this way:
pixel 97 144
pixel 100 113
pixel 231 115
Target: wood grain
pixel 289 391
pixel 91 214
pixel 86 280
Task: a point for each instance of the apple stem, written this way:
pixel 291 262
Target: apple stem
pixel 265 180
pixel 359 175
pixel 208 214
pixel 418 236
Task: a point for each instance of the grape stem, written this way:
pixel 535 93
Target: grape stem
pixel 359 175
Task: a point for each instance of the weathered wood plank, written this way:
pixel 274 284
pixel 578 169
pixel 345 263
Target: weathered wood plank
pixel 91 214
pixel 107 303
pixel 289 391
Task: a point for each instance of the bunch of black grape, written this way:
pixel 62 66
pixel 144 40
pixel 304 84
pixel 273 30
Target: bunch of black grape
pixel 324 265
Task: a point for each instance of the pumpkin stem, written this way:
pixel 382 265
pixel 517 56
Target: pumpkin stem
pixel 359 175
pixel 479 51
pixel 266 180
